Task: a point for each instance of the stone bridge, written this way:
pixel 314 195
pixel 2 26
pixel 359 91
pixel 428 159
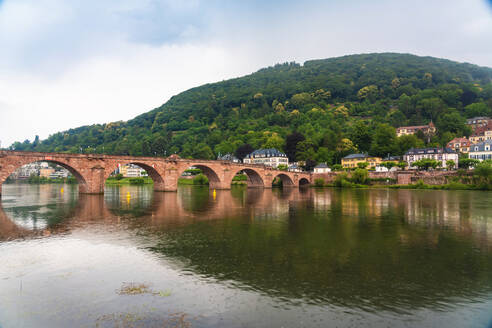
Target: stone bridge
pixel 92 170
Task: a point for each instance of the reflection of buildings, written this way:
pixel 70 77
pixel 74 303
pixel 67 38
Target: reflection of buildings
pixel 464 212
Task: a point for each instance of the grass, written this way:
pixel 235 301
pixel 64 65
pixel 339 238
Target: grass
pixel 133 288
pixel 129 181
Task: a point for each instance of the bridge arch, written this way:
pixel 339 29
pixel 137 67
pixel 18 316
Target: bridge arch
pixel 75 172
pixel 303 182
pixel 254 177
pixel 286 179
pixel 151 169
pixel 214 181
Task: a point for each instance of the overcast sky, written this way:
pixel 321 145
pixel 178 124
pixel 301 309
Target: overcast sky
pixel 67 63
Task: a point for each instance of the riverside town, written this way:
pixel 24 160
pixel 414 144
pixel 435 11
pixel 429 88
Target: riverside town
pixel 231 164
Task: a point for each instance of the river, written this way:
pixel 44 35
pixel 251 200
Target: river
pixel 244 258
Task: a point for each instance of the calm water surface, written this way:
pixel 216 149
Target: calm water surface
pixel 244 258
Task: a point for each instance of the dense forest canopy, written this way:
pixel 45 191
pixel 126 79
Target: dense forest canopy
pixel 317 112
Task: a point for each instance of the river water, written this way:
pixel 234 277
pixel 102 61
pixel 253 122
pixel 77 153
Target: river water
pixel 244 258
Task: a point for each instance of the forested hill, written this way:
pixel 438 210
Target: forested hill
pixel 319 111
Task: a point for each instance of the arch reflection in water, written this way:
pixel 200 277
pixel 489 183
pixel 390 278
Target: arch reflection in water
pixel 372 250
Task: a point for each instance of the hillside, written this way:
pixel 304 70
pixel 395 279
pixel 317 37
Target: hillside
pixel 318 111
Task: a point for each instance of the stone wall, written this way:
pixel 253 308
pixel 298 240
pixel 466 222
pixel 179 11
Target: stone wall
pixel 400 177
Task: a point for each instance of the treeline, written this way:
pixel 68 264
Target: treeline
pixel 317 112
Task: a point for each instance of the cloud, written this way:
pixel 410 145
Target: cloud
pixel 68 63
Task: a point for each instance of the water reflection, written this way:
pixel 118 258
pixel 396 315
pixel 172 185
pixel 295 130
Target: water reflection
pixel 375 251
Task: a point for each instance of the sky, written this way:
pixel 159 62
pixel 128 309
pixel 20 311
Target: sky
pixel 67 63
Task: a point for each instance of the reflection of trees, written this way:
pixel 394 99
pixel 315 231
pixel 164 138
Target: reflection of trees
pixel 133 201
pixel 360 251
pixel 383 249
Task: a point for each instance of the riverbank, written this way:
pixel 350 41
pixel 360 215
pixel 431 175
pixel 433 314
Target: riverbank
pixel 42 180
pixel 419 185
pixel 129 181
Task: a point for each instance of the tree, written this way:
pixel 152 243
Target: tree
pixel 360 176
pixel 362 165
pixel 426 164
pixel 361 136
pixel 467 163
pixel 477 109
pixel 369 92
pixel 453 122
pixel 384 141
pixel 388 164
pixel 291 142
pixel 337 167
pixel 407 142
pixel 309 165
pixel 274 141
pixel 305 150
pixel 282 167
pixel 243 150
pixel 402 165
pixel 450 164
pixel 484 171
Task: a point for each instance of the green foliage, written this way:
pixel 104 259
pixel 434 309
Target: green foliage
pixel 282 167
pixel 319 182
pixel 384 141
pixel 426 164
pixel 337 106
pixel 240 177
pixel 360 176
pixel 200 179
pixel 467 163
pixel 484 171
pixel 401 165
pixel 137 181
pixel 337 167
pixel 450 164
pixel 362 165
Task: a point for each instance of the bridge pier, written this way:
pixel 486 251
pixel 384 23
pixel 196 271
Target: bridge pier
pixel 91 170
pixel 94 181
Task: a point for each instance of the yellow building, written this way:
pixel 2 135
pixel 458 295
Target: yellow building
pixel 428 130
pixel 351 161
pixel 46 172
pixel 481 136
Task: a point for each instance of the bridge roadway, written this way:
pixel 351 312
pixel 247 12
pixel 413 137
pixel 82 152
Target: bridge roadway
pixel 92 170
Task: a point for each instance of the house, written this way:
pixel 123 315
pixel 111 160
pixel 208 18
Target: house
pixel 428 129
pixel 46 172
pixel 460 145
pixel 481 151
pixel 482 133
pixel 228 157
pixel 60 174
pixel 294 167
pixel 322 168
pixel 132 171
pixel 439 154
pixel 351 161
pixel 269 157
pixel 477 122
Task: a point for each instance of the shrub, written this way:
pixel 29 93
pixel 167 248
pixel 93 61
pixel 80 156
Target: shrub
pixel 484 171
pixel 360 176
pixel 337 167
pixel 319 182
pixel 137 181
pixel 200 179
pixel 339 179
